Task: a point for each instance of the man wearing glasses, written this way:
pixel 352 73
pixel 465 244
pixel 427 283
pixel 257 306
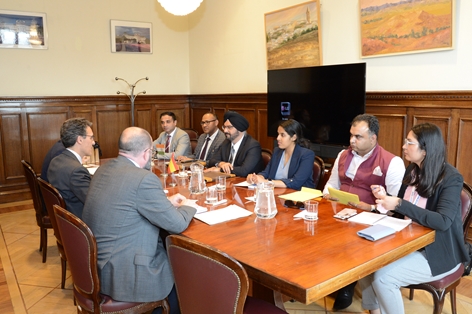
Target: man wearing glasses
pixel 240 154
pixel 363 164
pixel 209 142
pixel 66 172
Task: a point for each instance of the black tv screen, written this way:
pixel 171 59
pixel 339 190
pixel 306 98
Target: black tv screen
pixel 324 99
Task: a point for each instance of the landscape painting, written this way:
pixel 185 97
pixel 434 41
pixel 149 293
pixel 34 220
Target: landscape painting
pixel 131 37
pixel 408 26
pixel 293 36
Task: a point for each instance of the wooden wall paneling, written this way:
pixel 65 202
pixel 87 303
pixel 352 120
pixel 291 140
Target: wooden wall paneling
pixel 392 132
pixel 196 114
pixel 463 155
pixel 110 123
pixel 143 117
pixel 11 147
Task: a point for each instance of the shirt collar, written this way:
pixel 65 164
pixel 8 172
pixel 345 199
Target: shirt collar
pixel 76 155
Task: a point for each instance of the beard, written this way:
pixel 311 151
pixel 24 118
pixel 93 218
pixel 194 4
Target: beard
pixel 147 166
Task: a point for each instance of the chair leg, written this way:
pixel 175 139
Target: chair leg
pixel 63 278
pixel 453 301
pixel 438 304
pixel 44 242
pixel 412 294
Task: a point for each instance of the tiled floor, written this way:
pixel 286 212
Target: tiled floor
pixel 34 287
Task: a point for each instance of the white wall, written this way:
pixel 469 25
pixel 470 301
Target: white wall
pixel 220 48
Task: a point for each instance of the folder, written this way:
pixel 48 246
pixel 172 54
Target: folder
pixel 343 197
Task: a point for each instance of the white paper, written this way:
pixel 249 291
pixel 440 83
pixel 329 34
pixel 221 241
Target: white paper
pixel 92 170
pixel 368 218
pixel 193 203
pixel 245 184
pixel 224 214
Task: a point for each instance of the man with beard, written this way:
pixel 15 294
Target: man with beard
pixel 239 154
pixel 209 142
pixel 126 208
pixel 174 139
pixel 363 164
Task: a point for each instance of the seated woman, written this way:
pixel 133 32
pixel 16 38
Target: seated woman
pixel 291 164
pixel 430 196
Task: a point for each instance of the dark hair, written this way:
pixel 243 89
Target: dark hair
pixel 73 128
pixel 372 122
pixel 134 140
pixel 168 113
pixel 294 127
pixel 429 175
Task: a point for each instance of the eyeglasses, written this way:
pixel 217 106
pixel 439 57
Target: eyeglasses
pixel 207 122
pixel 407 142
pixel 292 204
pixel 229 127
pixel 91 136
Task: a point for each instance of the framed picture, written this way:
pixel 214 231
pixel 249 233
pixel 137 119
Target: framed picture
pixel 131 37
pixel 391 27
pixel 23 30
pixel 293 36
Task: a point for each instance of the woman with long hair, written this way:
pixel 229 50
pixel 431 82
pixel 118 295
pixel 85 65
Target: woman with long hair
pixel 291 164
pixel 430 196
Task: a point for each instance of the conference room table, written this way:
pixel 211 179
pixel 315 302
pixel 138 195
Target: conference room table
pixel 304 260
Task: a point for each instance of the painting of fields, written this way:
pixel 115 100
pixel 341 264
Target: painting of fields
pixel 293 37
pixel 409 26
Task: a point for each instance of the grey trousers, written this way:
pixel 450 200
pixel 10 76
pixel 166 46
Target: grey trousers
pixel 382 288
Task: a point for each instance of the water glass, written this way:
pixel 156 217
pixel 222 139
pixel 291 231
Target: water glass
pixel 211 195
pixel 221 183
pixel 311 208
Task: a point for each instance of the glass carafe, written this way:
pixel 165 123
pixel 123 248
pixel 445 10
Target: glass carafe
pixel 197 181
pixel 265 201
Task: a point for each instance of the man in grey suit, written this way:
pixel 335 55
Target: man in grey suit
pixel 126 208
pixel 209 142
pixel 66 172
pixel 174 139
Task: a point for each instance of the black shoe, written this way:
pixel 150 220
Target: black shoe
pixel 344 297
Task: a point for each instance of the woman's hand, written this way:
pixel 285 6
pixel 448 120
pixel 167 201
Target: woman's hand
pixel 255 178
pixel 378 191
pixel 388 202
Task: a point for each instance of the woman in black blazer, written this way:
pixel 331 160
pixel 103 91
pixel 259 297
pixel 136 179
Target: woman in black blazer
pixel 430 196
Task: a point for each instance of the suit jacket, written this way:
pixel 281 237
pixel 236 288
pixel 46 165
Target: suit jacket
pixel 179 144
pixel 72 180
pixel 443 214
pixel 248 158
pixel 214 147
pixel 300 170
pixel 126 208
pixel 54 151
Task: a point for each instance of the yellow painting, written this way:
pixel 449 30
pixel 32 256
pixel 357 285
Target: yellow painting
pixel 293 36
pixel 408 26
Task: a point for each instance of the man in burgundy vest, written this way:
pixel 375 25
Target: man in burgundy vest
pixel 363 164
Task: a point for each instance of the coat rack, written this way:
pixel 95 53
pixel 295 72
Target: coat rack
pixel 131 96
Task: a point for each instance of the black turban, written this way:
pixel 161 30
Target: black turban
pixel 237 120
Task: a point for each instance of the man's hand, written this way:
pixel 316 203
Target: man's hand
pixel 226 167
pixel 177 199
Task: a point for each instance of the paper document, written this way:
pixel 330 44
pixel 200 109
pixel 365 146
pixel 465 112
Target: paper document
pixel 304 195
pixel 224 214
pixel 92 170
pixel 245 184
pixel 368 218
pixel 343 197
pixel 193 203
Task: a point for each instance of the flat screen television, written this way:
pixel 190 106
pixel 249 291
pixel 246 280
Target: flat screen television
pixel 324 99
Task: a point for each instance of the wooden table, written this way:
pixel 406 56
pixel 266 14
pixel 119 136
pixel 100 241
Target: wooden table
pixel 303 260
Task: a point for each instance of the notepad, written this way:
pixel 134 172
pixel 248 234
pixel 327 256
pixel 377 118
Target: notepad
pixel 343 197
pixel 304 195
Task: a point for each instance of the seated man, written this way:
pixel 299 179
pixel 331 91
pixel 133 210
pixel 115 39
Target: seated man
pixel 239 154
pixel 126 209
pixel 66 172
pixel 174 139
pixel 54 151
pixel 209 142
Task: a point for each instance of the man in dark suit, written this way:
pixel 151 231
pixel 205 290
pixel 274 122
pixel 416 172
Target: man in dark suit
pixel 239 154
pixel 54 151
pixel 209 142
pixel 126 208
pixel 66 172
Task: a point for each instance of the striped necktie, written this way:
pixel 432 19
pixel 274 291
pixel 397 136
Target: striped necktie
pixel 204 150
pixel 167 149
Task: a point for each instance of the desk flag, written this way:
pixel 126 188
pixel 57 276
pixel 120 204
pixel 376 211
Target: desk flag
pixel 172 165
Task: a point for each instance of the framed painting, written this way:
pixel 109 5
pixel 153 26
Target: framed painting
pixel 391 27
pixel 23 30
pixel 293 36
pixel 131 37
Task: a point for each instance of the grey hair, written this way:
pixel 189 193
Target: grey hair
pixel 73 128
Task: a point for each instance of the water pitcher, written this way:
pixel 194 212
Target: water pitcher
pixel 265 201
pixel 197 181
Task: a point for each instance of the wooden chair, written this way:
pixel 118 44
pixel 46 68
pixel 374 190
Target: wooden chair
pixel 80 247
pixel 193 143
pixel 42 218
pixel 52 197
pixel 318 172
pixel 209 281
pixel 440 288
pixel 266 156
pixel 191 133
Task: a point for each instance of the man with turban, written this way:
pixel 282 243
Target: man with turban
pixel 239 154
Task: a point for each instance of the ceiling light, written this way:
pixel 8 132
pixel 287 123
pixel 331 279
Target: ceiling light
pixel 180 7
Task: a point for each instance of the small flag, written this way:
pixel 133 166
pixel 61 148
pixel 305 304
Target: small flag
pixel 172 165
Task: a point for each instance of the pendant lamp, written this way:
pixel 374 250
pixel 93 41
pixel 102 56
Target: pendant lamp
pixel 180 7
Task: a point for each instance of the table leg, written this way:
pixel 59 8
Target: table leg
pixel 262 292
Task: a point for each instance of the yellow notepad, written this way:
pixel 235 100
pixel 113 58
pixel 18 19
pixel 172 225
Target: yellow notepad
pixel 303 195
pixel 343 197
